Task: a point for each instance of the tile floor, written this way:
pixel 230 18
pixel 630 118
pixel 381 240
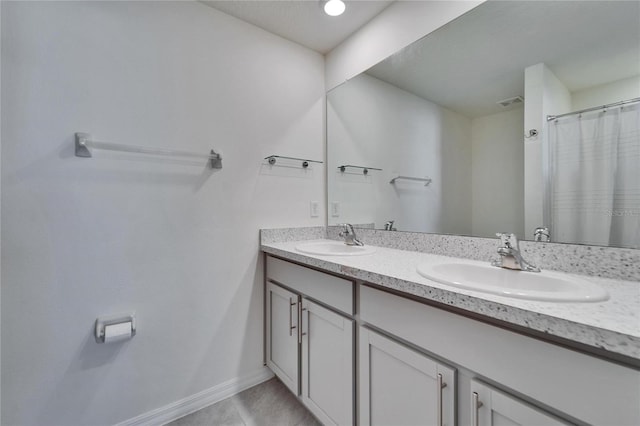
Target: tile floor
pixel 267 404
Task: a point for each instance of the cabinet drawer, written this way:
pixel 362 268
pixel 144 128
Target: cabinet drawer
pixel 333 291
pixel 582 386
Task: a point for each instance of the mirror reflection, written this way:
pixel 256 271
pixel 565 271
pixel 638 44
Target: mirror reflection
pixel 472 130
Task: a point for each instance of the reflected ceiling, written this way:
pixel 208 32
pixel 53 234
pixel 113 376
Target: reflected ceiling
pixel 470 78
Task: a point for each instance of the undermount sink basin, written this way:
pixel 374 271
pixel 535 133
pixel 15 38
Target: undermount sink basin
pixel 334 248
pixel 544 286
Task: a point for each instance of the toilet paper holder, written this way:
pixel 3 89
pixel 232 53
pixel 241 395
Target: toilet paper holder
pixel 103 322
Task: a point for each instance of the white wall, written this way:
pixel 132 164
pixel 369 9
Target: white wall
pixel 620 90
pixel 497 173
pixel 372 123
pixel 171 240
pixel 397 26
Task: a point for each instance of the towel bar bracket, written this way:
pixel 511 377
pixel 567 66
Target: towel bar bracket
pixel 82 148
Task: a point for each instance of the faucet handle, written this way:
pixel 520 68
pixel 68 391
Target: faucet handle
pixel 349 235
pixel 542 233
pixel 508 239
pixel 347 229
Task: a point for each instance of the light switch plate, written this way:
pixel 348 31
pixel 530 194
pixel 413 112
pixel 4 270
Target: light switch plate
pixel 314 209
pixel 335 209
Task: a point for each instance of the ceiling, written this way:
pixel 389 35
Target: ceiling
pixel 303 21
pixel 479 59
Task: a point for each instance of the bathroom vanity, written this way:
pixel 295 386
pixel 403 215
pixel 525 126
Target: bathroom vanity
pixel 367 340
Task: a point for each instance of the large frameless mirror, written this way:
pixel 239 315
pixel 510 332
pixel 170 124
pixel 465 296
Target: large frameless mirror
pixel 464 131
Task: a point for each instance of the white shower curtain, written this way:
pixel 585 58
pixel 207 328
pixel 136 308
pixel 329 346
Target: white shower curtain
pixel 595 177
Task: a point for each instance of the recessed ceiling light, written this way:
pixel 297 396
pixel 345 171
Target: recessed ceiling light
pixel 334 7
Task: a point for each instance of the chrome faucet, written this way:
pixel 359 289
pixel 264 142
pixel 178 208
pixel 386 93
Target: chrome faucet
pixel 349 235
pixel 510 256
pixel 542 234
pixel 389 226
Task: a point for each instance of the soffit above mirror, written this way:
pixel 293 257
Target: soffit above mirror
pixel 567 36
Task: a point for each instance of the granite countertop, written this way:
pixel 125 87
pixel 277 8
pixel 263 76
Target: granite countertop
pixel 613 325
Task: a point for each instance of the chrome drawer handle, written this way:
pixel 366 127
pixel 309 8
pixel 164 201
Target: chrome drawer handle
pixel 291 326
pixel 475 406
pixel 441 385
pixel 302 323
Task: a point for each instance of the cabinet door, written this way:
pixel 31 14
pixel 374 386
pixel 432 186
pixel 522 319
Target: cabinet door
pixel 327 364
pixel 282 335
pixel 491 407
pixel 400 386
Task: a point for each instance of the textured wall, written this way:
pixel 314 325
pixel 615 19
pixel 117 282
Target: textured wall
pixel 169 239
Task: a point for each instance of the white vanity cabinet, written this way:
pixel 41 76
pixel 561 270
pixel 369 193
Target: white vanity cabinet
pixel 419 363
pixel 536 382
pixel 310 338
pixel 400 386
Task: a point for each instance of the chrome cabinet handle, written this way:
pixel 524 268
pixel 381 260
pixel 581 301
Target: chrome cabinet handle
pixel 441 385
pixel 475 406
pixel 291 326
pixel 302 323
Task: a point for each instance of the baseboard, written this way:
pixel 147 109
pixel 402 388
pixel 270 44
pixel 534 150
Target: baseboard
pixel 190 404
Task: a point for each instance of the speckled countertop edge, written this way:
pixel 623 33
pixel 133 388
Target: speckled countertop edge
pixel 613 325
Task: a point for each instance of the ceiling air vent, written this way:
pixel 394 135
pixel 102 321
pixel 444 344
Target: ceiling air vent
pixel 511 101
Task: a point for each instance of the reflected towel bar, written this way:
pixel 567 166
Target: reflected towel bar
pixel 365 170
pixel 305 163
pixel 84 144
pixel 426 180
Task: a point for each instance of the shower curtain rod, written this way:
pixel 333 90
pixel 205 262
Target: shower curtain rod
pixel 615 104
